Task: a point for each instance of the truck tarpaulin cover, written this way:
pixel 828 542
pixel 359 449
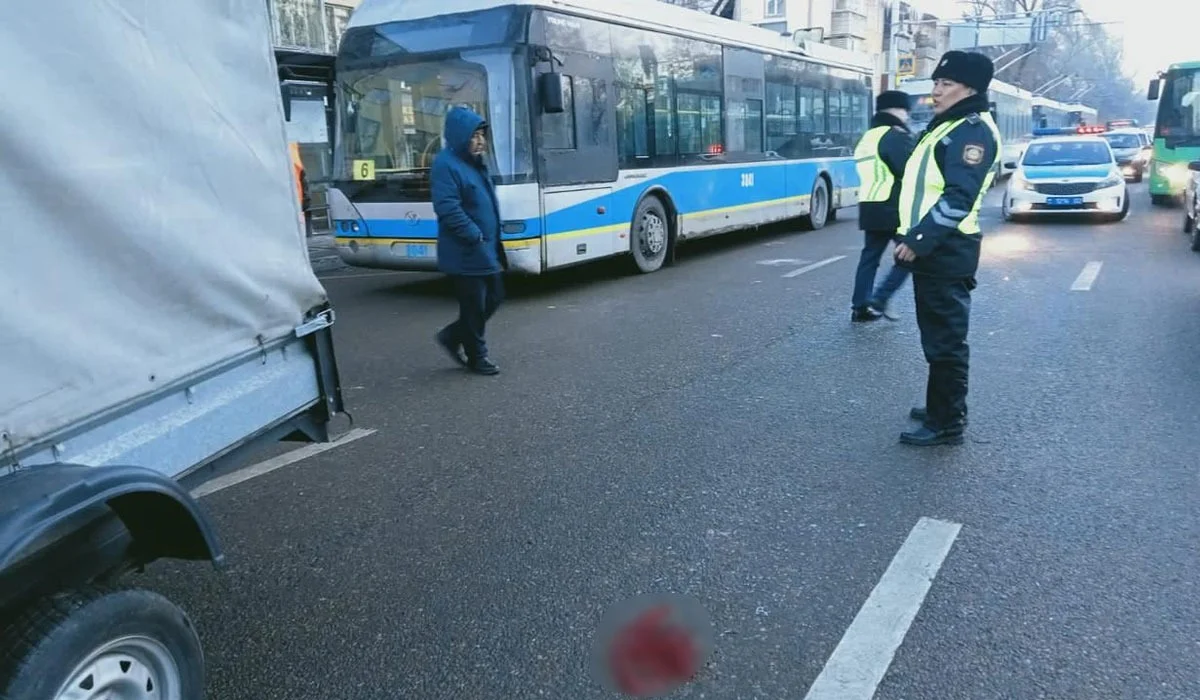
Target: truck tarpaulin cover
pixel 149 222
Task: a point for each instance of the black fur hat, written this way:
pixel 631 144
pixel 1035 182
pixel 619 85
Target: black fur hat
pixel 892 99
pixel 971 69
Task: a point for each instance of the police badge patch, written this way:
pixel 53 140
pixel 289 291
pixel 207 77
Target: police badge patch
pixel 973 154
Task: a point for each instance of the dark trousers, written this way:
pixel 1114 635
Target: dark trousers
pixel 874 243
pixel 943 316
pixel 478 298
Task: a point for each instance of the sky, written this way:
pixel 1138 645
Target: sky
pixel 1156 32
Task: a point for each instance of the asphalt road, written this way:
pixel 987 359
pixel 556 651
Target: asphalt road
pixel 719 429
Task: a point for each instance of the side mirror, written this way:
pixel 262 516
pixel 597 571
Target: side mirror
pixel 1010 165
pixel 551 87
pixel 1152 92
pixel 1194 166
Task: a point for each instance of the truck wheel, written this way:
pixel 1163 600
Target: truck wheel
pixel 93 644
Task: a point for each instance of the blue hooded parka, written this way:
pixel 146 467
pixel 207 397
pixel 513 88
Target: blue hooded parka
pixel 464 200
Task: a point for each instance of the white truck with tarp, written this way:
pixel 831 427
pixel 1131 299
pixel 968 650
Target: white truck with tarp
pixel 159 321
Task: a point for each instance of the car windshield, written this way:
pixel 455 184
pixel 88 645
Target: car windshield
pixel 1123 140
pixel 1067 153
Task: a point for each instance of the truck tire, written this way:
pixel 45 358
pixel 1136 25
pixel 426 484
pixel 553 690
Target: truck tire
pixel 96 643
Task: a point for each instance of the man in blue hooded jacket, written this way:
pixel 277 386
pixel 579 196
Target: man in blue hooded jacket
pixel 468 248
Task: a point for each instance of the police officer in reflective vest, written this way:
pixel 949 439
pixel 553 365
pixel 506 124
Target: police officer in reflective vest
pixel 945 180
pixel 880 158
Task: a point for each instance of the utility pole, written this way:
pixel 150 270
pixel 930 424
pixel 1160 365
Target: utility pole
pixel 893 60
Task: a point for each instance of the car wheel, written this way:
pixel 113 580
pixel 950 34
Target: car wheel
pixel 97 644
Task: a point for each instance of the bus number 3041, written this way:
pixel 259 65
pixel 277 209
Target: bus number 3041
pixel 747 179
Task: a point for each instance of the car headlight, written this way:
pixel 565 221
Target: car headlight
pixel 1019 182
pixel 1112 180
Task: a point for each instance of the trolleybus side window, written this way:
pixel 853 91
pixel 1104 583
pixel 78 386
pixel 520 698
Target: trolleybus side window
pixel 744 95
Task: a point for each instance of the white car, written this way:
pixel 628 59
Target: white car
pixel 1066 175
pixel 1191 205
pixel 1011 154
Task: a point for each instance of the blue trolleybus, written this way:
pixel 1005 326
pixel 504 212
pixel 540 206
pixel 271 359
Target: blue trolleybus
pixel 618 127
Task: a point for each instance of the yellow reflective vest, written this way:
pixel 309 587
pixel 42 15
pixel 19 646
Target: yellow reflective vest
pixel 875 179
pixel 924 181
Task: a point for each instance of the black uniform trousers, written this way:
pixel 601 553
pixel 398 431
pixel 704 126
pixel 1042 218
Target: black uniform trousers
pixel 478 298
pixel 943 317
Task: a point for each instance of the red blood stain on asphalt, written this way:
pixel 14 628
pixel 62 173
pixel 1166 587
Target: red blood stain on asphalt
pixel 651 645
pixel 652 655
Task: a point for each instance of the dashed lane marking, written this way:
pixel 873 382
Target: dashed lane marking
pixel 863 656
pixel 287 458
pixel 1087 278
pixel 814 266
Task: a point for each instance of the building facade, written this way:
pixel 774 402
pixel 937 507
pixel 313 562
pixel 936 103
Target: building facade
pixel 305 35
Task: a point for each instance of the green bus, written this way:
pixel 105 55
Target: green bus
pixel 1176 130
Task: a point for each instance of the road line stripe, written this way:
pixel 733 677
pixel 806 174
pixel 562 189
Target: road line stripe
pixel 1087 278
pixel 359 277
pixel 266 467
pixel 810 268
pixel 863 656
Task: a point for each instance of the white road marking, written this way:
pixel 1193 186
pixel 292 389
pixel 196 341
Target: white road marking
pixel 266 467
pixel 863 656
pixel 360 276
pixel 1087 278
pixel 783 261
pixel 810 268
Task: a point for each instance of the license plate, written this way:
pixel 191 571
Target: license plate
pixel 1064 201
pixel 416 251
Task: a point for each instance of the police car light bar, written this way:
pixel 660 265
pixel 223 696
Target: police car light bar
pixel 1068 130
pixel 1054 131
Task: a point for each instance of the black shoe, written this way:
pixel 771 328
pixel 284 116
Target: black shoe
pixel 452 349
pixel 920 414
pixel 484 366
pixel 864 315
pixel 927 437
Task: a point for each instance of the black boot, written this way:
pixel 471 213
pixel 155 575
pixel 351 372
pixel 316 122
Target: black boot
pixel 864 315
pixel 453 349
pixel 927 437
pixel 920 414
pixel 484 366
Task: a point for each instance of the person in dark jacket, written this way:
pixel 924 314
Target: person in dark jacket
pixel 880 158
pixel 945 181
pixel 469 249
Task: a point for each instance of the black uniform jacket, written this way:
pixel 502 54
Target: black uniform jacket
pixel 964 157
pixel 894 149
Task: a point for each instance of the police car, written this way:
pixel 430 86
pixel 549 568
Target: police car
pixel 1067 172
